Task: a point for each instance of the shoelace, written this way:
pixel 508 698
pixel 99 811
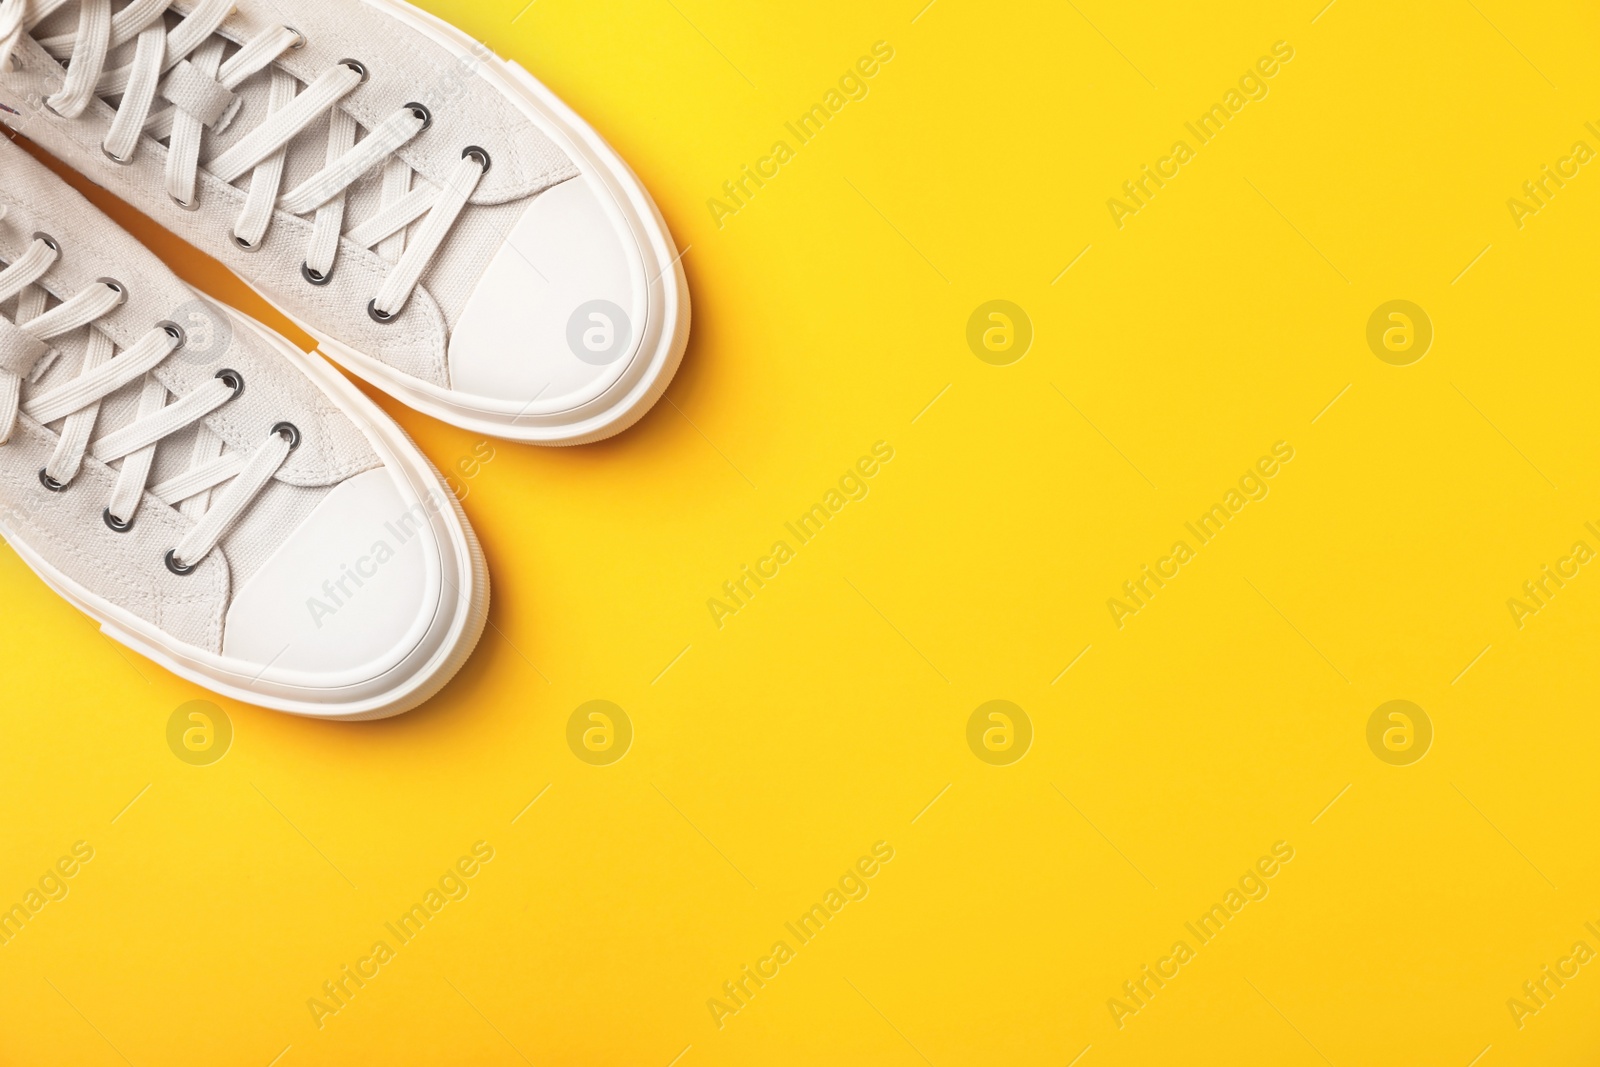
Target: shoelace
pixel 185 68
pixel 25 352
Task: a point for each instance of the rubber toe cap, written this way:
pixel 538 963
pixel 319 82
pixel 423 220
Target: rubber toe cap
pixel 560 312
pixel 348 594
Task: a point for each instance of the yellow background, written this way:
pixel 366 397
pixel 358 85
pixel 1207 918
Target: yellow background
pixel 826 715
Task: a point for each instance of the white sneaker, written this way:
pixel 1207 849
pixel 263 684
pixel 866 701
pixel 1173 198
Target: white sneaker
pixel 479 252
pixel 214 498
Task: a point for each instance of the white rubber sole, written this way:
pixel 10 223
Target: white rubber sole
pixel 444 646
pixel 664 335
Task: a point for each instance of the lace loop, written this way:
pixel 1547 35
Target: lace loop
pixel 198 95
pixel 20 350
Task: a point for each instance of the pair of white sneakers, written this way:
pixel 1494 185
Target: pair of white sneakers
pixel 448 230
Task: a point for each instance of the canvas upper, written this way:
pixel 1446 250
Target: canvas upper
pixel 209 510
pixel 445 226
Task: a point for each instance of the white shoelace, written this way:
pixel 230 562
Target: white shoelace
pixel 25 353
pixel 185 68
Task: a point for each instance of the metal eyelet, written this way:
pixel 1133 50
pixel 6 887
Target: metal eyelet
pixel 289 432
pixel 116 287
pixel 422 112
pixel 186 205
pixel 50 483
pixel 176 332
pixel 232 379
pixel 50 242
pixel 299 39
pixel 115 523
pixel 472 151
pixel 380 316
pixel 118 160
pixel 245 246
pixel 175 567
pixel 357 66
pixel 315 277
